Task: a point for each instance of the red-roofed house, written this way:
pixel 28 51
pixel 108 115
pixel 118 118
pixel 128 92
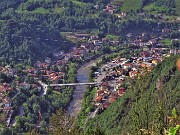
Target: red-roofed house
pixel 99 99
pixel 121 91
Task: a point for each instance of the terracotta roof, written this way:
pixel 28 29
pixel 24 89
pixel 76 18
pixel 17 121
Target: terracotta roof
pixel 99 99
pixel 7 108
pixel 106 105
pixel 112 99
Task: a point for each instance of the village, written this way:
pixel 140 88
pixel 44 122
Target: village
pixel 113 75
pixel 116 75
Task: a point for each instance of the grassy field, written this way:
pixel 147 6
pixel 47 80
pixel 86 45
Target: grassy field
pixel 78 3
pixel 56 92
pixel 167 42
pixel 152 8
pixel 112 37
pixel 177 7
pixel 52 10
pixel 129 5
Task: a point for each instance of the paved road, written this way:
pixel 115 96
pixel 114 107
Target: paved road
pixel 20 113
pixel 76 84
pixel 44 87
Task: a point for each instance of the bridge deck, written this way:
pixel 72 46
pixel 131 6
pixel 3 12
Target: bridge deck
pixel 76 84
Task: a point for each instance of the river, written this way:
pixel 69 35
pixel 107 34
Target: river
pixel 82 77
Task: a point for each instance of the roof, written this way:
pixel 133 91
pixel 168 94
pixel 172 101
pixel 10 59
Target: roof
pixel 99 98
pixel 111 99
pixel 106 105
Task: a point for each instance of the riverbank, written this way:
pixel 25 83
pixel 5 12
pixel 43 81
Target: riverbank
pixel 74 106
pixel 83 71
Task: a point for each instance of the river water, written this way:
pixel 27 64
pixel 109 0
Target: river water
pixel 82 77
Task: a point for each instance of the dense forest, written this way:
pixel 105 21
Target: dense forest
pixel 155 95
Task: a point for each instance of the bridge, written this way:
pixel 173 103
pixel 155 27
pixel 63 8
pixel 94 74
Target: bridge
pixel 45 86
pixel 75 84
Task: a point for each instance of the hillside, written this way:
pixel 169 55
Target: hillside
pixel 28 40
pixel 34 26
pixel 146 105
pixel 151 6
pixel 177 6
pixel 128 5
pixel 48 6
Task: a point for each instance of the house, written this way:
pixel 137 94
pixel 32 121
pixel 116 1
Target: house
pixel 5 87
pixel 122 14
pixel 1 96
pixel 25 85
pixel 105 40
pixel 133 74
pixel 32 71
pixel 48 60
pixel 7 102
pixel 115 42
pixel 106 105
pixel 97 48
pixel 55 79
pixel 146 65
pixel 58 54
pixel 129 35
pixel 67 56
pixel 121 91
pixel 96 7
pixel 166 30
pixel 96 42
pixel 77 57
pixel 99 99
pixel 85 45
pixel 35 86
pixel 112 99
pixel 7 109
pixel 94 38
pixel 173 51
pixel 153 41
pixel 81 35
pixel 37 64
pixel 145 54
pixel 155 61
pixel 109 9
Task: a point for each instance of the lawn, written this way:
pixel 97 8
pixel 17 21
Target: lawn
pixel 78 3
pixel 56 92
pixel 129 5
pixel 112 37
pixel 177 7
pixel 153 8
pixel 52 10
pixel 167 42
pixel 41 10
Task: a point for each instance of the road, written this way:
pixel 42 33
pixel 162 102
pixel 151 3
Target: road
pixel 76 84
pixel 44 89
pixel 20 113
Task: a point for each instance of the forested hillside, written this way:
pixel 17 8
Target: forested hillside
pixel 147 106
pixel 24 40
